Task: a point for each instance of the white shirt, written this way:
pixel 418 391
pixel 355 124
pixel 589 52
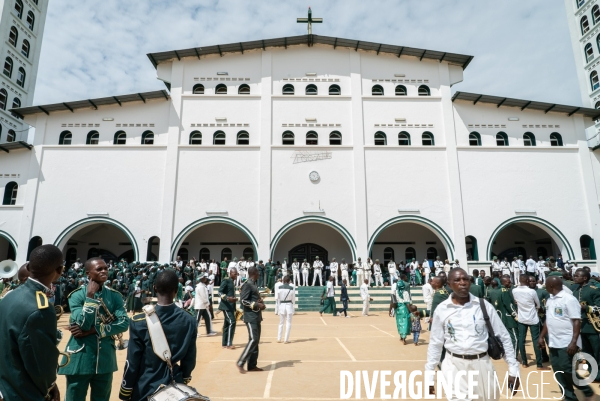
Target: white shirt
pixel 334 267
pixel 330 290
pixel 317 264
pixel 201 299
pixel 505 266
pixel 560 309
pixel 531 265
pixel 213 268
pixel 496 267
pixel 202 267
pixel 305 266
pixel 364 292
pixel 414 265
pixel 231 266
pixel 286 295
pixel 392 267
pixel 469 332
pixel 344 266
pixel 427 293
pixel 527 304
pixel 295 266
pixel 515 265
pixel 376 268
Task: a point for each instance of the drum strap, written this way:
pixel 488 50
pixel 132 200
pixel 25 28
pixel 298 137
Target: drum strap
pixel 160 346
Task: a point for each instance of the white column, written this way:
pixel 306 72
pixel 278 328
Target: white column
pixel 266 139
pixel 454 184
pixel 31 191
pixel 361 234
pixel 171 167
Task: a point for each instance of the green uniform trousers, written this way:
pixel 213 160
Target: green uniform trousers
pixel 535 335
pixel 271 282
pixel 563 371
pixel 329 304
pixel 77 387
pixel 591 345
pixel 513 333
pixel 228 328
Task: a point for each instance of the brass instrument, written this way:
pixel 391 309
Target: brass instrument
pixel 109 318
pixel 593 314
pixel 58 309
pixel 238 314
pixel 68 359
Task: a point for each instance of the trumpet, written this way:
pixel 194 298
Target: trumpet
pixel 593 314
pixel 109 318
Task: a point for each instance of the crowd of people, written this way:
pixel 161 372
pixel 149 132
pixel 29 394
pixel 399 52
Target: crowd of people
pixel 182 294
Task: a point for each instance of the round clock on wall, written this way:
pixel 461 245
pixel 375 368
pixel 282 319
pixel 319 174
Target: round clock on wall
pixel 314 176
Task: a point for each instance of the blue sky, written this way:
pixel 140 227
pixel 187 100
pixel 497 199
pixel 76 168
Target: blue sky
pixel 521 47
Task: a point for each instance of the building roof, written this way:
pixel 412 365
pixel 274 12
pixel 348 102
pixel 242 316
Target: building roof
pixel 91 103
pixel 527 104
pixel 309 40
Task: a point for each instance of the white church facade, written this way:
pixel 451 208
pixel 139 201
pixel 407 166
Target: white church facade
pixel 301 147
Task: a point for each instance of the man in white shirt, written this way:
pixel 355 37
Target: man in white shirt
pixel 495 266
pixel 563 322
pixel 458 325
pixel 392 271
pixel 528 304
pixel 233 265
pixel 202 304
pixel 329 299
pixel 367 270
pixel 428 296
pixel 530 266
pixel 305 268
pixel 317 271
pixel 278 284
pixel 344 269
pixel 360 276
pixel 284 268
pixel 456 264
pixel 542 269
pixel 505 266
pixel 296 272
pixel 202 266
pixel 213 268
pixel 438 265
pixel 286 299
pixel 516 270
pixel 426 269
pixel 334 270
pixel 377 273
pixel 364 294
pixel 414 265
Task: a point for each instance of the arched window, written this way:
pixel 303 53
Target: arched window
pixel 424 90
pixel 556 139
pixel 528 139
pixel 71 256
pixel 427 139
pixel 244 89
pixel 25 48
pixel 335 90
pixel 219 138
pixel 16 105
pixel 226 253
pixel 594 80
pixel 472 251
pixel 588 249
pixel 183 254
pixel 585 25
pixel 501 139
pixel 432 253
pixel 474 139
pixel 598 42
pixel 11 136
pixel 148 138
pixel 3 99
pixel 30 20
pixel 221 89
pixel 8 67
pixel 579 3
pixel 65 138
pixel 243 138
pixel 589 52
pixel 542 251
pixel 410 254
pixel 198 89
pixel 380 138
pixel 248 253
pixel 287 138
pixel 597 105
pixel 10 193
pixel 21 77
pixel 377 90
pixel 388 254
pixel 335 138
pixel 196 138
pixel 19 8
pixel 401 90
pixel 93 138
pixel 205 254
pixel 120 138
pixel 34 243
pixel 595 14
pixel 288 89
pixel 13 36
pixel 311 89
pixel 312 138
pixel 404 138
pixel 153 242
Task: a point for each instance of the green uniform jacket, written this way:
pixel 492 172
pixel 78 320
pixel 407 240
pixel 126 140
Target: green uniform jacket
pixel 439 296
pixel 588 295
pixel 476 290
pixel 96 353
pixel 249 297
pixel 227 289
pixel 507 307
pixel 493 297
pixel 28 354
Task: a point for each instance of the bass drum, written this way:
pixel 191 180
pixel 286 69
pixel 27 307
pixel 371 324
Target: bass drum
pixel 177 392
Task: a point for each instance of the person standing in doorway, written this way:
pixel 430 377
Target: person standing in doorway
pixel 305 269
pixel 344 269
pixel 334 270
pixel 296 272
pixel 317 271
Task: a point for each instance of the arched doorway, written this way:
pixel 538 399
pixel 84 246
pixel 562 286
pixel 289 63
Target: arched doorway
pixel 410 237
pixel 313 236
pixel 8 247
pixel 308 252
pixel 215 237
pixel 528 236
pixel 98 237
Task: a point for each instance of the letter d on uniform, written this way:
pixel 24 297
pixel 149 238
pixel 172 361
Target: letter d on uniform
pixel 346 390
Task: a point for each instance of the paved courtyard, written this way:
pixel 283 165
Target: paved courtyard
pixel 309 367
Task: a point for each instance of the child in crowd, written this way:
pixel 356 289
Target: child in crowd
pixel 415 323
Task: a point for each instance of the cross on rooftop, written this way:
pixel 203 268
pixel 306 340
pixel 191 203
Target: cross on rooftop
pixel 310 20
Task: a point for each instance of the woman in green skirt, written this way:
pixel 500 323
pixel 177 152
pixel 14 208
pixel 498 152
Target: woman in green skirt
pixel 402 313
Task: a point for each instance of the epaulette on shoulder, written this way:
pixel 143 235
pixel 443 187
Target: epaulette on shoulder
pixel 442 292
pixel 139 317
pixel 74 291
pixel 594 287
pixel 504 289
pixel 112 289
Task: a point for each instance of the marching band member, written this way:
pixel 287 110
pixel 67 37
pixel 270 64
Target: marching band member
pixel 317 271
pixel 438 265
pixel 367 270
pixel 542 269
pixel 286 298
pixel 296 271
pixel 392 271
pixel 284 268
pixel 360 277
pixel 334 270
pixel 305 267
pixel 378 275
pixel 505 267
pixel 495 266
pixel 516 270
pixel 202 266
pixel 344 269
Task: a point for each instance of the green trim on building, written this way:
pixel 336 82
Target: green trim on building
pixel 10 240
